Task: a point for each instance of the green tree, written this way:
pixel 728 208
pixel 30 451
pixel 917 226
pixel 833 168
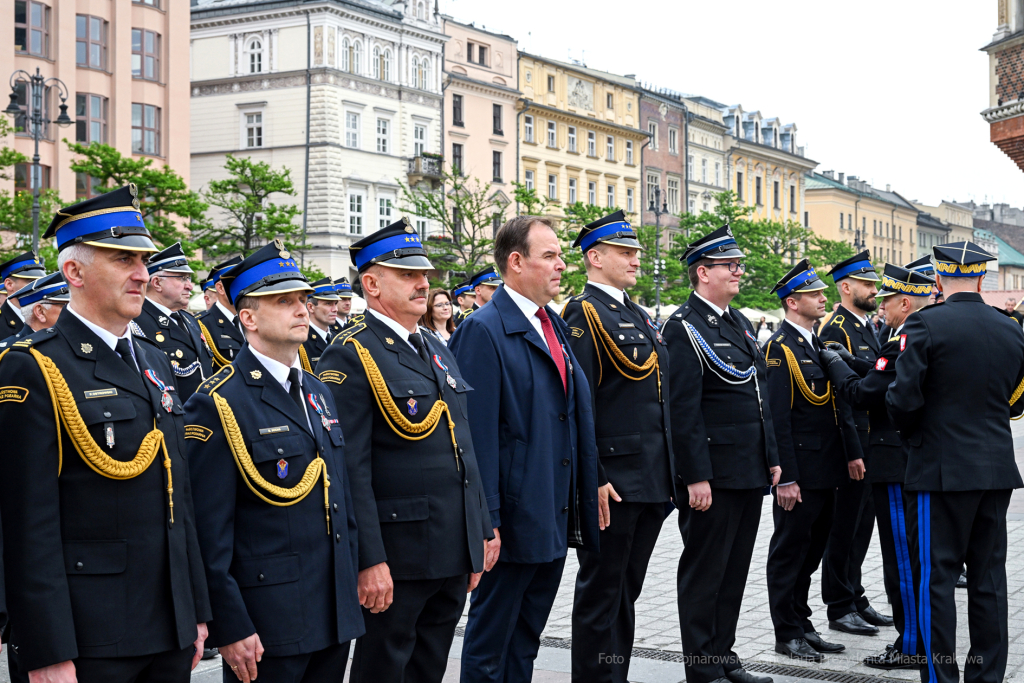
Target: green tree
pixel 165 201
pixel 468 211
pixel 823 254
pixel 528 202
pixel 252 220
pixel 574 279
pixel 8 155
pixel 674 285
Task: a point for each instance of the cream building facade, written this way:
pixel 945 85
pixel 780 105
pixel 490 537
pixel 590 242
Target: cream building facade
pixel 124 65
pixel 578 136
pixel 480 96
pixel 959 219
pixel 372 103
pixel 707 156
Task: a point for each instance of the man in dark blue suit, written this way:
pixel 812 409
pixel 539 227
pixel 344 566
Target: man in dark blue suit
pixel 533 430
pixel 277 526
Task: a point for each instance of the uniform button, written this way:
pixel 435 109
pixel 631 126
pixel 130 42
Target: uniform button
pixel 337 538
pixel 461 451
pixel 79 566
pixel 410 392
pixel 611 450
pixel 565 462
pixel 562 417
pixel 260 577
pixel 335 507
pixel 565 511
pixel 466 483
pixel 394 515
pixel 106 414
pixel 280 451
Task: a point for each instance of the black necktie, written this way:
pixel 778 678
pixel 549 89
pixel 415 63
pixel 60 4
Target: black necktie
pixel 417 341
pixel 124 350
pixel 295 390
pixel 176 317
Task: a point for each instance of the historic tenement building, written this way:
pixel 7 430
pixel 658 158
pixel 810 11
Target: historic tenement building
pixel 1005 112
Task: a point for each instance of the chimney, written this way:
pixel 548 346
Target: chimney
pixel 888 187
pixel 829 174
pixel 841 178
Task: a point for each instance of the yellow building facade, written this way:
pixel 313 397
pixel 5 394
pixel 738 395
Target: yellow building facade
pixel 578 138
pixel 851 211
pixel 959 219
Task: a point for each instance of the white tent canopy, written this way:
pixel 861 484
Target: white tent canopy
pixel 754 316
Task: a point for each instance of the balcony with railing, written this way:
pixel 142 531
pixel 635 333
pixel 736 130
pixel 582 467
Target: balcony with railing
pixel 425 167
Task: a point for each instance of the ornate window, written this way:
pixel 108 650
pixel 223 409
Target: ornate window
pixel 254 50
pixel 425 73
pixel 416 72
pixel 385 66
pixel 346 58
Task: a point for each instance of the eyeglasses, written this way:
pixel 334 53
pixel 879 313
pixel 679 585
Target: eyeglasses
pixel 733 266
pixel 183 278
pixel 443 304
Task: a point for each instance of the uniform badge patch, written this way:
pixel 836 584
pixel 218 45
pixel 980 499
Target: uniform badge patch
pixel 576 332
pixel 881 363
pixel 389 340
pixel 712 319
pixel 256 374
pixel 634 353
pixel 333 376
pixel 13 394
pixel 86 347
pixel 773 362
pixel 903 341
pixel 412 406
pixel 197 432
pixel 282 468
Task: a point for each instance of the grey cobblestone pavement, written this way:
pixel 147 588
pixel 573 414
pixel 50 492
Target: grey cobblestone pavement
pixel 657 626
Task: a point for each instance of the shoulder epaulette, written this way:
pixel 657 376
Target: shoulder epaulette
pixel 136 330
pixel 349 332
pixel 355 320
pixel 214 382
pixel 33 339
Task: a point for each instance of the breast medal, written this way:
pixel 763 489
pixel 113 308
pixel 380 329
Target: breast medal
pixel 282 468
pixel 165 396
pixel 319 411
pixel 412 406
pixel 447 377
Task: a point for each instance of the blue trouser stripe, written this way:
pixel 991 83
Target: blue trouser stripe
pixel 924 536
pixel 899 534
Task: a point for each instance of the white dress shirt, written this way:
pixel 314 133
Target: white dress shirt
pixel 807 333
pixel 616 294
pixel 529 309
pixel 231 316
pixel 163 309
pixel 402 333
pixel 16 308
pixel 108 337
pixel 279 371
pixel 714 307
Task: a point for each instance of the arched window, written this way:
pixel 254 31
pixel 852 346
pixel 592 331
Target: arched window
pixel 425 74
pixel 346 45
pixel 356 57
pixel 255 51
pixel 375 66
pixel 416 72
pixel 421 10
pixel 385 66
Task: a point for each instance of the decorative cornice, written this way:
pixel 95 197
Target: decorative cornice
pixel 1006 111
pixel 295 79
pixel 586 121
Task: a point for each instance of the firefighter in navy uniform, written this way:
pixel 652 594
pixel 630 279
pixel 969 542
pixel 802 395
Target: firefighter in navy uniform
pixel 344 291
pixel 104 577
pixel 816 437
pixel 485 283
pixel 954 395
pixel 841 588
pixel 416 487
pixel 219 323
pixel 725 454
pixel 902 292
pixel 465 297
pixel 322 305
pixel 50 294
pixel 16 274
pixel 165 321
pixel 273 499
pixel 625 358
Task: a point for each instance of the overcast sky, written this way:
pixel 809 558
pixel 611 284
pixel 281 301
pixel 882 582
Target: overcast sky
pixel 886 90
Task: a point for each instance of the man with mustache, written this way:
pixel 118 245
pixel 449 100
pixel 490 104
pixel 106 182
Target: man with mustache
pixel 419 504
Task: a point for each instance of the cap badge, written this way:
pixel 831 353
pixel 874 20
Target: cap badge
pixel 86 347
pixel 256 374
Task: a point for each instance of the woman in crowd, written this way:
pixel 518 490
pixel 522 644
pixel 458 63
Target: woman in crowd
pixel 438 318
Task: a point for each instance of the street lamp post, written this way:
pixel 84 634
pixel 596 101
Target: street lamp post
pixel 37 85
pixel 658 208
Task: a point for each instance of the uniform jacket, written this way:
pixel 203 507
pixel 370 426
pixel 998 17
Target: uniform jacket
pixel 961 363
pixel 722 432
pixel 535 441
pixel 888 456
pixel 419 504
pixel 634 453
pixel 273 570
pixel 845 328
pixel 814 442
pixel 93 565
pixel 10 322
pixel 191 360
pixel 461 315
pixel 314 346
pixel 225 339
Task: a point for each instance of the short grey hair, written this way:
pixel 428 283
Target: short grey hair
pixel 83 253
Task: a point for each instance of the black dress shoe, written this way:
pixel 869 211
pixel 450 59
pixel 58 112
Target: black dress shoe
pixel 814 640
pixel 798 648
pixel 875 618
pixel 853 623
pixel 891 659
pixel 962 581
pixel 743 676
pixel 209 652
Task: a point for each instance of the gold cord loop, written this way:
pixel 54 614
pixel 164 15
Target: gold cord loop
pixel 801 383
pixel 218 357
pixel 304 359
pixel 615 354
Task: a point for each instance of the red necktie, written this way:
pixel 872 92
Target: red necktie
pixel 554 347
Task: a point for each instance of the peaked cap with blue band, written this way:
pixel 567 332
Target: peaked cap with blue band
pixel 270 270
pixel 111 220
pixel 612 229
pixel 897 280
pixel 49 289
pixel 324 290
pixel 922 265
pixel 858 267
pixel 342 288
pixel 396 246
pixel 801 278
pixel 170 260
pixel 961 259
pixel 27 266
pixel 462 288
pixel 218 270
pixel 488 276
pixel 718 244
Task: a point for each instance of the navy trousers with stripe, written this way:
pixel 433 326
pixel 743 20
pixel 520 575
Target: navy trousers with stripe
pixel 896 566
pixel 947 529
